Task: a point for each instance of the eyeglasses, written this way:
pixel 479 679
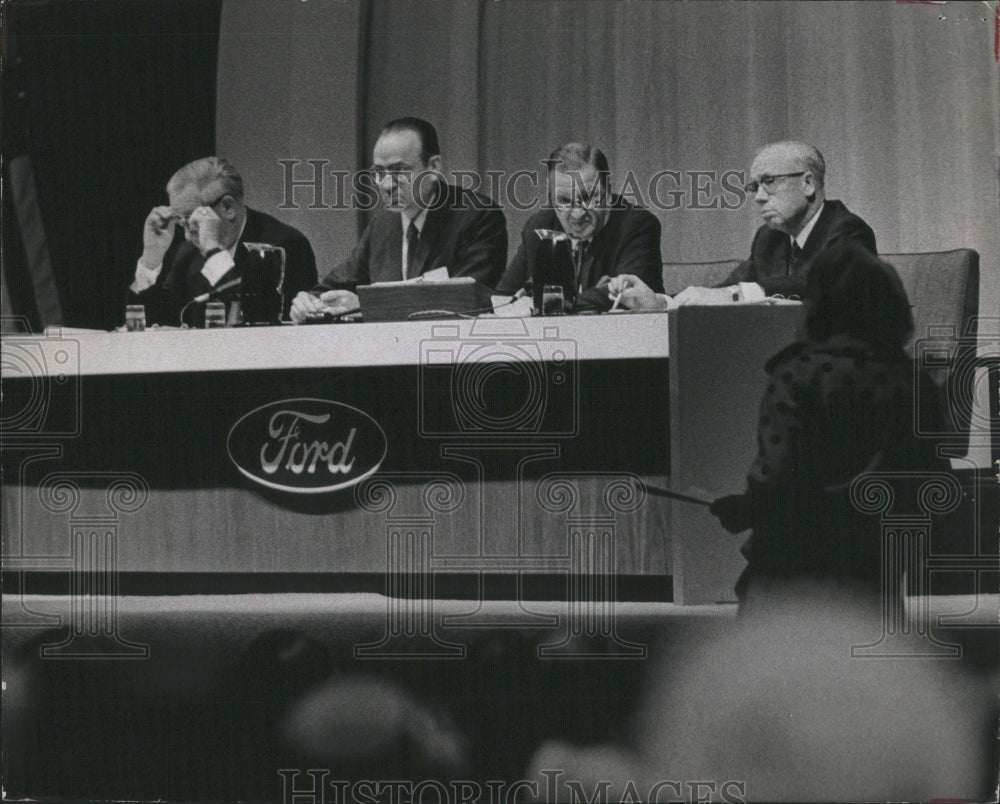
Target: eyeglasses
pixel 767 182
pixel 591 202
pixel 397 173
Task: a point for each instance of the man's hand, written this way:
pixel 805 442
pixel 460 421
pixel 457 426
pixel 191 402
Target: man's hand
pixel 157 234
pixel 339 301
pixel 208 227
pixel 306 306
pixel 694 295
pixel 636 294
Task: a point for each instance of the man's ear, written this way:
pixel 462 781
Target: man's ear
pixel 810 185
pixel 436 163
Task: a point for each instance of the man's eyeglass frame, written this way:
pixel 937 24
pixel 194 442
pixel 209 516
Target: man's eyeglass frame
pixel 767 182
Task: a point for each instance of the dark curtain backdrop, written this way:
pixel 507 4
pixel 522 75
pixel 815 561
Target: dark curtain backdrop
pixel 903 99
pixel 107 98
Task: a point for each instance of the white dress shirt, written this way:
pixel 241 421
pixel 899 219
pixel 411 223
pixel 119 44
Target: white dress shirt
pixel 802 236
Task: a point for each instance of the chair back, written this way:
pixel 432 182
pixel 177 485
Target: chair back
pixel 943 287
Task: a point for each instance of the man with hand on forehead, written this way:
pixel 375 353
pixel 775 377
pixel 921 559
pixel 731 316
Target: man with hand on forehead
pixel 426 224
pixel 787 183
pixel 608 236
pixel 206 205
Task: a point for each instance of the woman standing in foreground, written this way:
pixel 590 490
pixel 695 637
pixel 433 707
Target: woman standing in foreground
pixel 839 403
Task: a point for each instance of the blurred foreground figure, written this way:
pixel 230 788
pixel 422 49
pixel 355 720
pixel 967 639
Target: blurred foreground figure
pixel 776 709
pixel 840 402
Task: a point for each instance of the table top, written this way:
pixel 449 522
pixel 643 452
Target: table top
pixel 607 337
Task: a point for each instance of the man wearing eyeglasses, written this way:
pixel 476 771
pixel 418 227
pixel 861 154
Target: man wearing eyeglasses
pixel 206 204
pixel 787 183
pixel 426 224
pixel 607 235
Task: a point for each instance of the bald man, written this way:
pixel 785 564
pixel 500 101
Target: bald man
pixel 787 182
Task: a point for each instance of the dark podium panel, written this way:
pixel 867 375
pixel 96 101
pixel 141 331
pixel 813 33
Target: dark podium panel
pixel 511 446
pixel 717 380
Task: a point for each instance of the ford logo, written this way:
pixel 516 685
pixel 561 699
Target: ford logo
pixel 306 446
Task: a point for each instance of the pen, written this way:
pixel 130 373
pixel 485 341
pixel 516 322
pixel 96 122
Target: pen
pixel 614 306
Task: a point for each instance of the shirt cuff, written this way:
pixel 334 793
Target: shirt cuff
pixel 145 277
pixel 751 292
pixel 217 266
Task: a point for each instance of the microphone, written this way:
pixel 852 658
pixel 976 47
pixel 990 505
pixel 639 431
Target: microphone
pixel 232 283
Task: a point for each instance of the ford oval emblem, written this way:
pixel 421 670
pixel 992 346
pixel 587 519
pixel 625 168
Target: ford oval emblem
pixel 306 446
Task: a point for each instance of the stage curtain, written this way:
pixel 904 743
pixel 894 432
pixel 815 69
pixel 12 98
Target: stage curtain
pixel 902 99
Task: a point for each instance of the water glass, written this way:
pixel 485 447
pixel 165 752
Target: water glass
pixel 135 318
pixel 215 315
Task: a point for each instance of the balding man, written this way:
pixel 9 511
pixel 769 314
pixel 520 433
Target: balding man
pixel 787 182
pixel 426 224
pixel 608 236
pixel 206 204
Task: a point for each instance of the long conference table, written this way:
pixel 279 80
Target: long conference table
pixel 412 453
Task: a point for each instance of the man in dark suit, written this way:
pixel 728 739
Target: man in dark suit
pixel 426 224
pixel 206 204
pixel 787 182
pixel 607 235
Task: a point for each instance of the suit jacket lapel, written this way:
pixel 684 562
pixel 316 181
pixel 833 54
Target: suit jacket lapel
pixel 252 231
pixel 774 250
pixel 427 245
pixel 385 239
pixel 818 236
pixel 251 234
pixel 598 257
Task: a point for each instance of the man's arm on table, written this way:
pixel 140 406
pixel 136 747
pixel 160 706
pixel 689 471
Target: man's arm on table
pixel 336 290
pixel 640 252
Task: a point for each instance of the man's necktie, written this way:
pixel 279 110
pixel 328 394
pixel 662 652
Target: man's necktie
pixel 579 252
pixel 412 238
pixel 793 255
